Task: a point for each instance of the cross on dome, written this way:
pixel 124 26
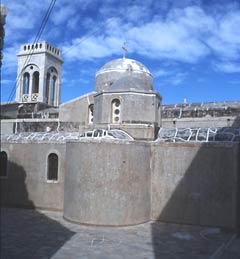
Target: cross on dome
pixel 124 49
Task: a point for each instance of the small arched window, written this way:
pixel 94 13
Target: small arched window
pixel 90 114
pixel 4 161
pixel 26 78
pixel 116 111
pixel 52 172
pixel 35 82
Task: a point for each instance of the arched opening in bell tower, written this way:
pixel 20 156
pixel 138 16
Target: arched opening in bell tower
pixel 52 88
pixel 26 81
pixel 35 82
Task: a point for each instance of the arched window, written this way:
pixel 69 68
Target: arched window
pixel 90 114
pixel 3 161
pixel 116 111
pixel 35 82
pixel 47 87
pixel 53 89
pixel 52 172
pixel 52 86
pixel 26 78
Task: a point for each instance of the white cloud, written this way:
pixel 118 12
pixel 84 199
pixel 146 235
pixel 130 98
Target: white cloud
pixel 7 82
pixel 63 14
pixel 91 48
pixel 158 39
pixel 171 77
pixel 187 35
pixel 10 58
pixel 72 22
pixel 227 67
pixel 160 73
pixel 174 78
pixel 225 39
pixel 168 41
pixel 20 14
pixel 178 78
pixel 184 33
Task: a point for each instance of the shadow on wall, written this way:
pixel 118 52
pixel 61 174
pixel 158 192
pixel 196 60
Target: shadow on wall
pixel 13 188
pixel 204 191
pixel 26 233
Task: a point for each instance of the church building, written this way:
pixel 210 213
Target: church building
pixel 116 156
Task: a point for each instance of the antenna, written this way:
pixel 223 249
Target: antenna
pixel 124 49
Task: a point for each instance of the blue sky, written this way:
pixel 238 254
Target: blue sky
pixel 191 47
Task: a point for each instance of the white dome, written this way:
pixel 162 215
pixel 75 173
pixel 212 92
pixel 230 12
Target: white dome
pixel 120 68
pixel 123 64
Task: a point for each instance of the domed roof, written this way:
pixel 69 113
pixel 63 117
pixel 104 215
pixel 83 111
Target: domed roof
pixel 123 64
pixel 117 69
pixel 129 82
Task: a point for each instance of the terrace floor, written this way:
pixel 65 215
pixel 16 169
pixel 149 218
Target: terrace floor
pixel 45 234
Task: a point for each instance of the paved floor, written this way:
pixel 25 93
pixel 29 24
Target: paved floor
pixel 44 234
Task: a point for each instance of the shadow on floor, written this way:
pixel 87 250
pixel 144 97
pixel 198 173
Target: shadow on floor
pixel 26 233
pixel 205 193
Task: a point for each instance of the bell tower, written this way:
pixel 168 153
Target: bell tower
pixel 39 74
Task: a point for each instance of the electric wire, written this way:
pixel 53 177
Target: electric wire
pixel 93 33
pixel 28 58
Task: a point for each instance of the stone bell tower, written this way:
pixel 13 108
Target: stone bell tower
pixel 39 74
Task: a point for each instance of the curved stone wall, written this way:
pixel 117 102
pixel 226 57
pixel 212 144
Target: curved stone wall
pixel 107 183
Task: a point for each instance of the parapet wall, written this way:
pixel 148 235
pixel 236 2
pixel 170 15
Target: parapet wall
pixel 26 182
pixel 195 183
pixel 113 182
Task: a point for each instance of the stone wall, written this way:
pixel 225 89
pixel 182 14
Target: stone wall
pixel 198 110
pixel 196 183
pixel 29 125
pixel 204 115
pixel 26 182
pixel 136 107
pixel 113 182
pixel 76 110
pixel 202 122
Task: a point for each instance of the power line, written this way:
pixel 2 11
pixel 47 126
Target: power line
pixel 37 37
pixel 94 32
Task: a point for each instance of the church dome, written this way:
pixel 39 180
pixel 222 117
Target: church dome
pixel 123 64
pixel 116 69
pixel 129 83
